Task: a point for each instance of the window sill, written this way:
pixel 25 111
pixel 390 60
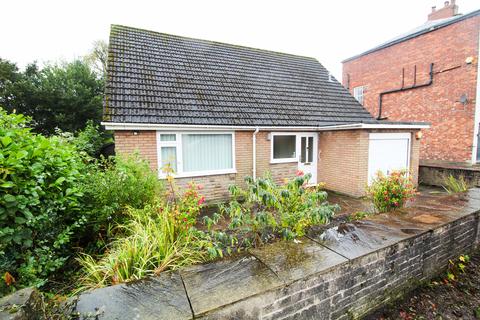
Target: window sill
pixel 283 161
pixel 200 174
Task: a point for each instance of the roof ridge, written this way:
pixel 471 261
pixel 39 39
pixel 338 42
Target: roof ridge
pixel 415 32
pixel 112 26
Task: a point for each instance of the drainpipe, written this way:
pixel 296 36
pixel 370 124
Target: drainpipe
pixel 254 143
pixel 477 112
pixel 414 86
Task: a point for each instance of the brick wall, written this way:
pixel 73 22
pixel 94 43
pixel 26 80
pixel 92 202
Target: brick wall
pixel 144 142
pixel 278 171
pixel 343 160
pixel 215 186
pixel 451 135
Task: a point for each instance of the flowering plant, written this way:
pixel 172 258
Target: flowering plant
pixel 186 205
pixel 390 192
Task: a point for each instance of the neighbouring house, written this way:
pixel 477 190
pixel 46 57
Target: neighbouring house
pixel 428 74
pixel 217 112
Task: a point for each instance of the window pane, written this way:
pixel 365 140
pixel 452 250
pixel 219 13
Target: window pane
pixel 284 147
pixel 203 152
pixel 302 150
pixel 310 149
pixel 169 157
pixel 167 137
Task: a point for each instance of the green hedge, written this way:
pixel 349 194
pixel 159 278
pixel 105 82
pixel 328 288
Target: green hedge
pixel 39 201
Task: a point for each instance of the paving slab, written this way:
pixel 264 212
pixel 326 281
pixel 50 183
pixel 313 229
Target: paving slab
pixel 353 240
pixel 210 286
pixel 292 261
pixel 161 297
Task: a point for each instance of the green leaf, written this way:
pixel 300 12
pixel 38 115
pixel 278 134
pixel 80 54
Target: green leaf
pixel 6 140
pixel 60 180
pixel 9 198
pixel 20 220
pixel 7 184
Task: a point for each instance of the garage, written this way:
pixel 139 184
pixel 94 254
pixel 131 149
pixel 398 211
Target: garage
pixel 388 152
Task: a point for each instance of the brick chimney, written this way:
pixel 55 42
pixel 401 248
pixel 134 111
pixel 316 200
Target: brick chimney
pixel 449 10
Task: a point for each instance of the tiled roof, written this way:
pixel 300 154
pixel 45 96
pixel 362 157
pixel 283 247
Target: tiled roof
pixel 428 26
pixel 158 78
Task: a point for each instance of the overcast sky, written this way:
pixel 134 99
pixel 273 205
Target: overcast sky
pixel 330 31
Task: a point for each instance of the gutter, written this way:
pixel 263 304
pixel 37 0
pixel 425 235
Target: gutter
pixel 172 127
pixel 254 146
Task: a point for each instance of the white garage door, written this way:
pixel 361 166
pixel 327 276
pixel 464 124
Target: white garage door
pixel 387 152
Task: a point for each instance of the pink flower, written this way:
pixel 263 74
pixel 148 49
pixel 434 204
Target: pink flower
pixel 201 201
pixel 299 173
pixel 200 187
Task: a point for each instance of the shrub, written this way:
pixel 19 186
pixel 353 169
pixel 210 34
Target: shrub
pixel 389 192
pixel 158 237
pixel 112 185
pixel 39 202
pixel 455 185
pixel 265 210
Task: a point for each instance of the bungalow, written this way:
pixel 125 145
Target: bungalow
pixel 217 112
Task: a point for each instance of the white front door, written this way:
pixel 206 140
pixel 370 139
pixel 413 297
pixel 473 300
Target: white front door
pixel 387 152
pixel 307 161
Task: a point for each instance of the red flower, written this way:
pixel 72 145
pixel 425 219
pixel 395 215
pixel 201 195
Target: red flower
pixel 299 173
pixel 201 201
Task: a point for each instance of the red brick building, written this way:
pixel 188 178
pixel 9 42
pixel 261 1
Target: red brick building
pixel 428 74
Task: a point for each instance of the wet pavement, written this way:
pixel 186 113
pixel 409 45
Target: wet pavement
pixel 213 285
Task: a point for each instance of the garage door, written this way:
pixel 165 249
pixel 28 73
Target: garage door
pixel 387 152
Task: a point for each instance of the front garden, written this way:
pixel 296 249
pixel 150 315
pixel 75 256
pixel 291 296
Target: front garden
pixel 72 222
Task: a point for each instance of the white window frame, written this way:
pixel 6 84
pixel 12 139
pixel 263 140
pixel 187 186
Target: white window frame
pixel 359 94
pixel 178 144
pixel 284 160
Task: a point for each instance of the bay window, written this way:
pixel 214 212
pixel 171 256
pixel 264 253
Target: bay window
pixel 195 153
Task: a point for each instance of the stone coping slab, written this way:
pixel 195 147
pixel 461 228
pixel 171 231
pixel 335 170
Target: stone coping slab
pixel 292 261
pixel 222 282
pixel 353 240
pixel 160 297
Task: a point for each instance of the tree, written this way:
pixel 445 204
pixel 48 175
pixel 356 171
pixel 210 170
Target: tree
pixel 63 96
pixel 98 57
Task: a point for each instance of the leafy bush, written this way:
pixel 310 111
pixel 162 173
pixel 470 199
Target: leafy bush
pixel 91 139
pixel 455 185
pixel 389 192
pixel 265 210
pixel 158 237
pixel 39 201
pixel 112 185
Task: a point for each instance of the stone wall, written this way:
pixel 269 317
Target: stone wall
pixel 342 273
pixel 433 175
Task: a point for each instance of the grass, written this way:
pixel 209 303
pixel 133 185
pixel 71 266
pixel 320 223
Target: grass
pixel 451 184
